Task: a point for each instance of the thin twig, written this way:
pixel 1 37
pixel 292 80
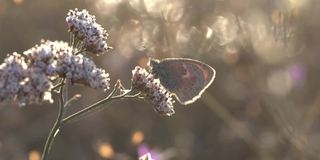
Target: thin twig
pixel 79 52
pixel 57 86
pixel 72 99
pixel 95 106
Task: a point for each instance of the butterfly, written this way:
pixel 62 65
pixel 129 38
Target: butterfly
pixel 186 78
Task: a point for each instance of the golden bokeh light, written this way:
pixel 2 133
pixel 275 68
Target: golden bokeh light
pixel 34 155
pixel 209 33
pixel 105 150
pixel 18 2
pixel 137 137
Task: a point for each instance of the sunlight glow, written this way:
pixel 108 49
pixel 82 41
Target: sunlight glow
pixel 279 83
pixel 137 137
pixel 297 3
pixel 209 33
pixel 18 2
pixel 34 155
pixel 225 29
pixel 105 150
pixel 107 7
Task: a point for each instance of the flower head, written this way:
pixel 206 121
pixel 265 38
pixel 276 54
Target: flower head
pixel 28 79
pixel 11 74
pixel 57 59
pixel 82 70
pixel 34 88
pixel 84 27
pixel 21 82
pixel 46 55
pixel 158 95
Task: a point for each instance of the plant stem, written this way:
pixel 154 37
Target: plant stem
pixel 56 127
pixel 79 52
pixel 57 86
pixel 60 121
pixel 98 104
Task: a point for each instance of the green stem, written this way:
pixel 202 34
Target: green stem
pixel 56 127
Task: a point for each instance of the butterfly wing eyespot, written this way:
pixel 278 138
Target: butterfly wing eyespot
pixel 194 83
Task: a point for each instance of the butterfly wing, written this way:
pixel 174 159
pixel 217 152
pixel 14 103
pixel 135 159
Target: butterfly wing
pixel 186 78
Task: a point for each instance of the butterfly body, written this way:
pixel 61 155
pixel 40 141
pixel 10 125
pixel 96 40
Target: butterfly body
pixel 186 78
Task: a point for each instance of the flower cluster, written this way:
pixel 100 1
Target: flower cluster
pixel 11 74
pixel 46 55
pixel 84 27
pixel 159 96
pixel 58 59
pixel 29 79
pixel 79 69
pixel 35 87
pixel 26 84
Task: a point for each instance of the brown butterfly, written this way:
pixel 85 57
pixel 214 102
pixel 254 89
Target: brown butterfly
pixel 186 78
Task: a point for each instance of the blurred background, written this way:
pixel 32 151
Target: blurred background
pixel 263 105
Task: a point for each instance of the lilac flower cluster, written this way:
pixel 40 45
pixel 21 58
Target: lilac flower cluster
pixel 79 69
pixel 35 87
pixel 159 96
pixel 11 74
pixel 58 59
pixel 84 27
pixel 29 79
pixel 26 84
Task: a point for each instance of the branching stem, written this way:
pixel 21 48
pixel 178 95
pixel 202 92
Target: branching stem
pixel 60 121
pixel 56 127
